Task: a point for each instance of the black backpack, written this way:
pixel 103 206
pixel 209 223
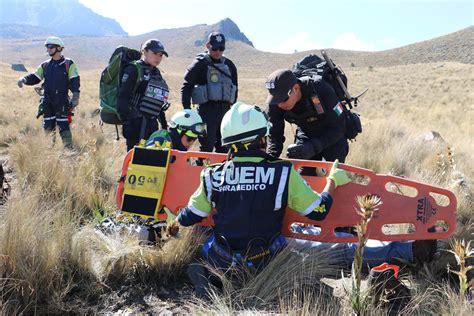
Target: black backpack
pixel 314 65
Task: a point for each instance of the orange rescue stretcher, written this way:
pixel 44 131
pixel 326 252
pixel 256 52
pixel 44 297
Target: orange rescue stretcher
pixel 408 206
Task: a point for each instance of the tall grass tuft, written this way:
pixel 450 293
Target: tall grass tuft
pixel 37 269
pixel 290 284
pixel 56 191
pixel 120 256
pixel 368 205
pixel 437 299
pixel 462 251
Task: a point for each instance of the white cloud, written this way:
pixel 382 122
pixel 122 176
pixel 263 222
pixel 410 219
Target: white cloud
pixel 299 41
pixel 349 41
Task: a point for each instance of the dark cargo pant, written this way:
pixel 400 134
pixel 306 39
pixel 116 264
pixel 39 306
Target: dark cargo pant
pixel 212 114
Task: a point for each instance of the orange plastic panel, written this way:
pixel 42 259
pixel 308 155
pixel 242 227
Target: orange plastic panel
pixel 419 209
pixel 121 184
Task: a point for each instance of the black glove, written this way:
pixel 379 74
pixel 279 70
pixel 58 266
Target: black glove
pixel 75 99
pixel 307 150
pixel 20 82
pixel 301 151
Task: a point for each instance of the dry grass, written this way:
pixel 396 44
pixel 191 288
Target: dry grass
pixel 437 299
pixel 368 206
pixel 118 257
pixel 49 251
pixel 295 288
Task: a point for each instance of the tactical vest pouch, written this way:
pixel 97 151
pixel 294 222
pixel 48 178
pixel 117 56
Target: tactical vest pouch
pixel 353 124
pixel 214 85
pixel 219 83
pixel 199 95
pixel 229 92
pixel 155 98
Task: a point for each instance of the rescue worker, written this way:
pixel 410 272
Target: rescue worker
pixel 211 82
pixel 143 95
pixel 311 104
pixel 60 75
pixel 250 192
pixel 183 130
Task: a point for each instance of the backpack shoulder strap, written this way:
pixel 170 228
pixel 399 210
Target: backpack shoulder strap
pixel 139 75
pixel 67 63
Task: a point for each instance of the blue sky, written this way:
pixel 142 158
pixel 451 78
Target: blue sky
pixel 288 25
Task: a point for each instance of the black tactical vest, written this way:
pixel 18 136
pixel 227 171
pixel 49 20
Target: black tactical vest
pixel 305 114
pixel 152 93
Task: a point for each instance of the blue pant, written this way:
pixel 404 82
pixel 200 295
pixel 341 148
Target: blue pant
pixel 55 114
pixel 375 252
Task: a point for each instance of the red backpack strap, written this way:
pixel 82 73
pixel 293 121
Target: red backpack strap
pixel 67 63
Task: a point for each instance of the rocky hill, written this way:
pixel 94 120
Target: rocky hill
pixel 184 43
pixel 13 30
pixel 60 17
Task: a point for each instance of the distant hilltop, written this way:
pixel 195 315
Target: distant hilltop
pixel 27 18
pixel 231 31
pixel 184 43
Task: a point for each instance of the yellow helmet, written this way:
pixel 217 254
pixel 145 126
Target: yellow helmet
pixel 54 40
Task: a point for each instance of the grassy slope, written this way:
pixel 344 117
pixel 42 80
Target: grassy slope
pixel 49 201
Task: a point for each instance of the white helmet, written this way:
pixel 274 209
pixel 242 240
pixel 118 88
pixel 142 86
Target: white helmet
pixel 188 122
pixel 244 123
pixel 54 40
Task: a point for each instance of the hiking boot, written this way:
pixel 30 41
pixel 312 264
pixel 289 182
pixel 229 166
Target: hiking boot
pixel 386 289
pixel 424 251
pixel 198 275
pixel 66 137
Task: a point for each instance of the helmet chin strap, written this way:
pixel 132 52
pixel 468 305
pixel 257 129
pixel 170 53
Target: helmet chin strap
pixel 56 50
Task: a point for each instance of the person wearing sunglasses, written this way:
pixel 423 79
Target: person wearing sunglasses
pixel 59 75
pixel 184 128
pixel 143 95
pixel 311 104
pixel 211 83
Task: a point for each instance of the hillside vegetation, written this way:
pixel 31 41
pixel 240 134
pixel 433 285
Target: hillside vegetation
pixel 53 261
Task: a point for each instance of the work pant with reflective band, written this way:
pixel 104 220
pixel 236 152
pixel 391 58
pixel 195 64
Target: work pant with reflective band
pixel 55 115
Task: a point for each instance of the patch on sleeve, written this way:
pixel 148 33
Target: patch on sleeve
pixel 124 78
pixel 317 104
pixel 339 108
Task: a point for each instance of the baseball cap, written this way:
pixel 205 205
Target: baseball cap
pixel 216 40
pixel 279 84
pixel 155 46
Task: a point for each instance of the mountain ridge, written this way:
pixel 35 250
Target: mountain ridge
pixel 56 17
pixel 184 43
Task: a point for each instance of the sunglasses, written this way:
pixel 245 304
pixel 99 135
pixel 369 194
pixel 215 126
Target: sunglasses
pixel 221 49
pixel 51 46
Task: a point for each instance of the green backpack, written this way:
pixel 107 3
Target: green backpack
pixel 110 82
